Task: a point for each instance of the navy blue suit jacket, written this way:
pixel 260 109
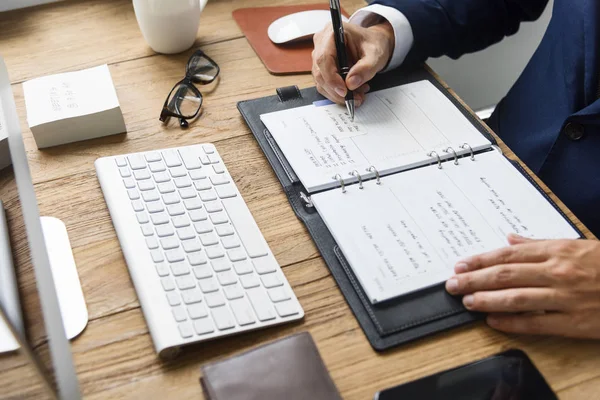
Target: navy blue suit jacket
pixel 551 116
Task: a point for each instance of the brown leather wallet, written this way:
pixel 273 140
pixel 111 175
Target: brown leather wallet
pixel 290 368
pixel 286 58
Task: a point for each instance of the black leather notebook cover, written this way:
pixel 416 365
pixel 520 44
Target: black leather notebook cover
pixel 392 322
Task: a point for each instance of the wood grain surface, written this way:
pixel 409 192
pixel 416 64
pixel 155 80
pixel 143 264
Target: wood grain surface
pixel 114 356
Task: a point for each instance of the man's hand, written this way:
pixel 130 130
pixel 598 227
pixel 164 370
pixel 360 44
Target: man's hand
pixel 369 48
pixel 535 286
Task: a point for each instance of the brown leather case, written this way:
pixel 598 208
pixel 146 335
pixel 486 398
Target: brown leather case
pixel 290 368
pixel 291 58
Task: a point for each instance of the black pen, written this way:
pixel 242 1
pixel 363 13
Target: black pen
pixel 340 47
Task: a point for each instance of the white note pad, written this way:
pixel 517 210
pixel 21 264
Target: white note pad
pixel 395 129
pixel 407 233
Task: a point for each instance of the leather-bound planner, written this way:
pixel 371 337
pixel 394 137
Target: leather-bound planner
pixel 290 368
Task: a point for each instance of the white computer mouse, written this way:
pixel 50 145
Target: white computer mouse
pixel 299 26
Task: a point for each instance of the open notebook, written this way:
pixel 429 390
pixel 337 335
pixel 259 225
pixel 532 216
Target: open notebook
pixel 410 187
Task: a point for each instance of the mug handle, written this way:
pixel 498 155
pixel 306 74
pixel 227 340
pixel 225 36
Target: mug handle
pixel 203 4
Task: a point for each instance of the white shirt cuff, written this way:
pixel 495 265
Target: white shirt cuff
pixel 403 34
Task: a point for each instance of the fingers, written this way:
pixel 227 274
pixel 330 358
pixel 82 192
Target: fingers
pixel 534 324
pixel 324 68
pixel 513 239
pixel 530 252
pixel 363 71
pixel 516 300
pixel 500 277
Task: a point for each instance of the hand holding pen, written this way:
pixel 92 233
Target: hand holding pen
pixel 340 48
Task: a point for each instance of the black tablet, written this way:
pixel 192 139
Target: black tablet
pixel 507 376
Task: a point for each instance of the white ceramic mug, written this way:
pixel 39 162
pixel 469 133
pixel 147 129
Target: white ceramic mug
pixel 169 26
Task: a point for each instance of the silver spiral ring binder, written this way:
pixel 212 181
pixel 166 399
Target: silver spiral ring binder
pixel 373 169
pixel 450 149
pixel 439 160
pixel 357 175
pixel 466 146
pixel 339 178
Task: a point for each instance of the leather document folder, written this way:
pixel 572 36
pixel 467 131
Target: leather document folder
pixel 397 321
pixel 290 368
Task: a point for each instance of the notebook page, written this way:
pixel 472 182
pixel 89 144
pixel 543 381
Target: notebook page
pixel 407 233
pixel 393 130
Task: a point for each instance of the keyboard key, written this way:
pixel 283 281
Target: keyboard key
pixel 190 158
pixel 168 283
pixel 182 182
pixel 261 304
pixel 129 183
pixel 197 310
pixel 157 256
pixel 243 267
pixel 233 292
pixel 204 159
pixel 179 314
pixel 153 156
pixel 203 326
pixel 214 299
pixel 236 254
pixel 202 271
pixel 164 230
pixel 180 268
pixel 198 215
pixel 142 217
pixel 125 172
pixel 226 191
pixel 185 282
pixel 271 280
pixel 197 258
pixel 197 174
pixel 208 148
pixel 174 255
pixel 161 177
pixel 220 179
pixel 278 294
pixel 169 243
pixel 208 195
pixel 220 264
pixel 249 281
pixel 224 230
pixel 203 227
pixel 185 330
pixel 170 198
pixel 219 218
pixel 191 296
pixel 136 161
pixel 146 185
pixel 173 299
pixel 230 242
pixel 133 194
pixel 150 195
pixel 213 206
pixel 154 207
pixel 191 245
pixel 208 285
pixel 157 167
pixel 223 318
pixel 265 265
pixel 162 269
pixel 286 308
pixel 147 230
pixel 121 162
pixel 213 158
pixel 246 227
pixel 152 243
pixel 141 174
pixel 175 209
pixel 227 278
pixel 193 204
pixel 218 168
pixel 213 252
pixel 242 311
pixel 178 172
pixel 209 239
pixel 167 187
pixel 171 158
pixel 181 221
pixel 187 193
pixel 159 218
pixel 186 233
pixel 138 205
pixel 202 184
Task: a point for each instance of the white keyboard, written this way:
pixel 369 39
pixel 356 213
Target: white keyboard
pixel 200 265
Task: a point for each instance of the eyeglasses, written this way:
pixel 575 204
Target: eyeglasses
pixel 184 100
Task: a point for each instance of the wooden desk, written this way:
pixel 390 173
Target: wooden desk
pixel 114 356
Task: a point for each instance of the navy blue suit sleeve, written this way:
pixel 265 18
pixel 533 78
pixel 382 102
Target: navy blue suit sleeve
pixel 457 27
